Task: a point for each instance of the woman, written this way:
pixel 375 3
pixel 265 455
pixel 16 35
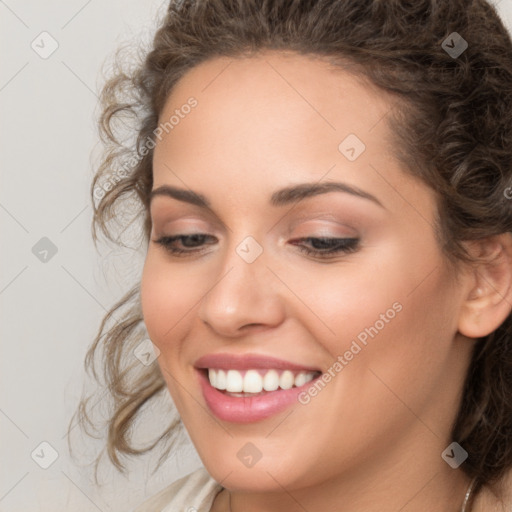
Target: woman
pixel 325 190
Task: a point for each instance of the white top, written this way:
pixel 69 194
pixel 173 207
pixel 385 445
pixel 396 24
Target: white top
pixel 192 493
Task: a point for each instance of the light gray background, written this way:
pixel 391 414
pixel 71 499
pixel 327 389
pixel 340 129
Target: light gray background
pixel 50 311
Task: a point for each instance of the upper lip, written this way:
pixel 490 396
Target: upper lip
pixel 248 362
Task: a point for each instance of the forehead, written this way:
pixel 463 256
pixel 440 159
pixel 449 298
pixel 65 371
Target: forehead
pixel 275 119
pixel 289 86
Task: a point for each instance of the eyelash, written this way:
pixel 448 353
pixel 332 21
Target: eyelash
pixel 335 245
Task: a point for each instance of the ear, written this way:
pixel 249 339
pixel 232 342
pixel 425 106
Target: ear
pixel 488 296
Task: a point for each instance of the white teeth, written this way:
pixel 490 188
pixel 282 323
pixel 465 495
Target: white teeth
pixel 271 381
pixel 234 381
pixel 286 380
pixel 220 379
pixel 252 381
pixel 300 380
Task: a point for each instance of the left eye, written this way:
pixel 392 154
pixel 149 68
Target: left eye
pixel 324 247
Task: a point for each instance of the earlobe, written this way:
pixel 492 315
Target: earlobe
pixel 488 299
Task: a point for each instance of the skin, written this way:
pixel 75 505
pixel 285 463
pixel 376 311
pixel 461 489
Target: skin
pixel 372 438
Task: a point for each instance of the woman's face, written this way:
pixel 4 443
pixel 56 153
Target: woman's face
pixel 285 153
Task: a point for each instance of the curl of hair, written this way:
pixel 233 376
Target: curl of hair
pixel 451 124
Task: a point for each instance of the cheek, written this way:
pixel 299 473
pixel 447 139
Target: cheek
pixel 403 325
pixel 167 296
pixel 339 304
pixel 400 310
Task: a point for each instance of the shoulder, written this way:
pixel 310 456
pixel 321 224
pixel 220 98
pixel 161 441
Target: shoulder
pixel 194 491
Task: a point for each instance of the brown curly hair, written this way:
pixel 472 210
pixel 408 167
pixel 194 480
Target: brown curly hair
pixel 453 125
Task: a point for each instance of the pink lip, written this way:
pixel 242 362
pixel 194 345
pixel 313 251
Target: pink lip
pixel 247 409
pixel 248 362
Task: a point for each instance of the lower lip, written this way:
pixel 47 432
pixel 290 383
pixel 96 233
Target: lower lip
pixel 248 409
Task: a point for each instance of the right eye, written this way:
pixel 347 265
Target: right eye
pixel 191 241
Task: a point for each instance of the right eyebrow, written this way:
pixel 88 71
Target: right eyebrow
pixel 187 196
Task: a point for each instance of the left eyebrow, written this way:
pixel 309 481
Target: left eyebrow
pixel 279 198
pixel 304 190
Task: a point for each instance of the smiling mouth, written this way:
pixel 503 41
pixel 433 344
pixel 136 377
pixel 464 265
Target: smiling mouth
pixel 255 382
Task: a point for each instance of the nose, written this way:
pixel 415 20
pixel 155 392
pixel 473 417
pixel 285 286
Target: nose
pixel 243 297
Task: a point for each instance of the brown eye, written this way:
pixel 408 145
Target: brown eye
pixel 325 247
pixel 190 242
